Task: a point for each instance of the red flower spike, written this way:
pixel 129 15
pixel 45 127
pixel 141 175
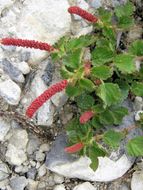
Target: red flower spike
pixel 74 148
pixel 84 14
pixel 87 68
pixel 40 100
pixel 86 116
pixel 27 43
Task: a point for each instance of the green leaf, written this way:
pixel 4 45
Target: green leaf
pixel 73 59
pixel 102 72
pixel 137 88
pixel 106 118
pixel 105 15
pixel 86 84
pixel 135 146
pixel 78 43
pixel 125 10
pixel 102 55
pixel 94 151
pixel 113 138
pixel 118 114
pixel 110 34
pixel 125 22
pixel 136 48
pixel 73 90
pixel 96 123
pixel 125 63
pixel 85 101
pixel 124 87
pixel 109 93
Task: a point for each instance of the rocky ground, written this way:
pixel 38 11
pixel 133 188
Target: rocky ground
pixel 25 74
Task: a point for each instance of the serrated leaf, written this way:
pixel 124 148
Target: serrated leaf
pixel 125 63
pixel 85 101
pixel 78 43
pixel 86 84
pixel 73 59
pixel 102 55
pixel 113 138
pixel 124 87
pixel 105 15
pixel 109 93
pixel 135 146
pixel 136 48
pixel 96 123
pixel 111 35
pixel 73 90
pixel 106 118
pixel 125 10
pixel 137 88
pixel 125 22
pixel 118 114
pixel 102 72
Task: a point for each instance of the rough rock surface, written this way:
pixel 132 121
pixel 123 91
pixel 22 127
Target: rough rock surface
pixel 85 186
pixel 137 180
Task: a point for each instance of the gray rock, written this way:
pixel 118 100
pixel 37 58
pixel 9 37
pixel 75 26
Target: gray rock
pixel 96 4
pixel 14 73
pixel 32 173
pixel 32 185
pixel 44 147
pixel 24 56
pixel 137 180
pixel 48 73
pixel 4 171
pixel 23 67
pixel 59 99
pixel 10 92
pixel 33 144
pixel 16 150
pixel 138 103
pixel 85 186
pixel 4 128
pixel 110 168
pixel 18 183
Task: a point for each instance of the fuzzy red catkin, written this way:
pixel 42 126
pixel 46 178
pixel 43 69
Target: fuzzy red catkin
pixel 40 100
pixel 74 148
pixel 86 116
pixel 84 14
pixel 27 43
pixel 87 68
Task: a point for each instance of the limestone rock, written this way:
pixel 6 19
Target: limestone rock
pixel 85 186
pixel 18 183
pixel 10 91
pixel 4 128
pixel 137 180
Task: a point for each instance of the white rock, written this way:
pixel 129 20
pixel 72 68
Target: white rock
pixel 49 23
pixel 138 103
pixel 23 67
pixel 107 170
pixel 32 185
pixel 137 181
pixel 10 91
pixel 85 186
pixel 58 179
pixel 4 128
pixel 44 147
pixel 4 171
pixel 59 187
pixel 33 144
pixel 42 170
pixel 18 183
pixel 137 116
pixel 5 4
pixel 16 150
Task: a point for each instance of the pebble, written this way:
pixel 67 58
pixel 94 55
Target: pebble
pixel 4 171
pixel 31 174
pixel 42 171
pixel 23 67
pixel 58 179
pixel 59 187
pixel 44 147
pixel 18 183
pixel 4 128
pixel 40 156
pixel 137 181
pixel 10 92
pixel 85 186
